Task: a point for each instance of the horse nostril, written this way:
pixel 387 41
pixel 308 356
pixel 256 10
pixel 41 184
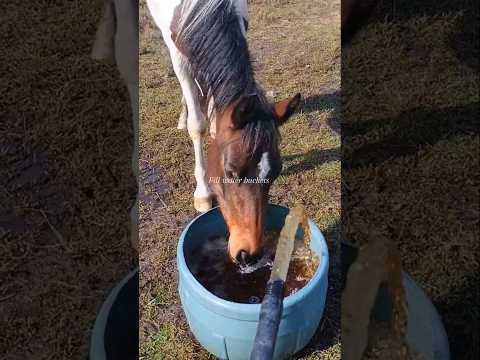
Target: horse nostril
pixel 243 257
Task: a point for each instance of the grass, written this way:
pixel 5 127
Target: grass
pixel 66 182
pixel 410 154
pixel 295 45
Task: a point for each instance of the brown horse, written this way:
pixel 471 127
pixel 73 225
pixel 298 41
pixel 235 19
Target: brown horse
pixel 209 52
pixel 252 167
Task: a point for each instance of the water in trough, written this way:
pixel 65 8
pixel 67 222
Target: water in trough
pixel 214 269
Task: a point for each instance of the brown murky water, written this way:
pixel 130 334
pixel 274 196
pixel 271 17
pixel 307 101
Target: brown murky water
pixel 214 269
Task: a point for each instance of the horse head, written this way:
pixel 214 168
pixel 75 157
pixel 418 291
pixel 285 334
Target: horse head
pixel 243 162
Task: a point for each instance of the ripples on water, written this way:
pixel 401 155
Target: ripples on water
pixel 214 269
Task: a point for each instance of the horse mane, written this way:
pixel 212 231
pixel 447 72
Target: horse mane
pixel 210 36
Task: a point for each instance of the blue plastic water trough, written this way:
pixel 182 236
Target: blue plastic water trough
pixel 115 333
pixel 227 329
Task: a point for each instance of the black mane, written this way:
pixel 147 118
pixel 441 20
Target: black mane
pixel 219 60
pixel 217 53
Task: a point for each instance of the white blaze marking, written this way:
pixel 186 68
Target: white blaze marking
pixel 264 166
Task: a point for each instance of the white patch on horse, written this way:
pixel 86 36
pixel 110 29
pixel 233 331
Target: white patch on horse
pixel 212 118
pixel 264 166
pixel 163 13
pixel 199 87
pixel 187 6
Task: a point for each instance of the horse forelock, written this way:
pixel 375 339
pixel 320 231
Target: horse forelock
pixel 260 135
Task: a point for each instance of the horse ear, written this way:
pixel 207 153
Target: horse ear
pixel 243 111
pixel 285 108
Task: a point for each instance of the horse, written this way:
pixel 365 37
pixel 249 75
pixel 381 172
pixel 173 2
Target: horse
pixel 207 43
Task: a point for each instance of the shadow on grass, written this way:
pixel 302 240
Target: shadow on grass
pixel 416 129
pixel 324 102
pixel 462 321
pixel 412 131
pixel 311 160
pixel 321 102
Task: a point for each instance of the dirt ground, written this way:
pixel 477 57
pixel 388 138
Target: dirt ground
pixel 296 46
pixel 66 182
